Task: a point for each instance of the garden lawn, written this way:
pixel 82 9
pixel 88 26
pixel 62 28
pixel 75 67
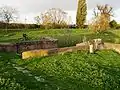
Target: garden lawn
pixel 71 71
pixel 66 37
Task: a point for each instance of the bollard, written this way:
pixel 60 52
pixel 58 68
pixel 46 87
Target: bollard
pixel 91 48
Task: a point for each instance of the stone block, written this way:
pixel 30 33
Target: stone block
pixel 34 53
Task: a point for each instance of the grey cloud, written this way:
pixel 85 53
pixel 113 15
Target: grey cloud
pixel 35 6
pixel 93 3
pixel 41 5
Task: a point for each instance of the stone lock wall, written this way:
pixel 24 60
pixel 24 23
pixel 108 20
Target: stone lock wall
pixel 44 43
pixel 8 47
pixel 26 46
pixel 98 45
pixel 48 52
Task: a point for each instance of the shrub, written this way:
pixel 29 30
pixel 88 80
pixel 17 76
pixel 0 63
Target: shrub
pixel 118 26
pixel 18 26
pixel 113 24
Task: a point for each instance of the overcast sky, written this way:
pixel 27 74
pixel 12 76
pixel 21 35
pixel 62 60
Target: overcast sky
pixel 30 8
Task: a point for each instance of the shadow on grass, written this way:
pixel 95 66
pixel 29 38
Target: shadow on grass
pixel 73 39
pixel 106 36
pixel 70 39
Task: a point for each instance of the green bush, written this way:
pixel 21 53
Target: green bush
pixel 18 26
pixel 113 24
pixel 118 26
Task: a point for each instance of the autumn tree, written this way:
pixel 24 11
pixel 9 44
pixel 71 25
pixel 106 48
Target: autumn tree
pixel 8 14
pixel 81 13
pixel 102 17
pixel 53 18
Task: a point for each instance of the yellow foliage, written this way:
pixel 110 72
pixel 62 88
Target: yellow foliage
pixel 34 53
pixel 99 24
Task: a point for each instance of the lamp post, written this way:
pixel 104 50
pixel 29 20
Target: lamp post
pixel 25 23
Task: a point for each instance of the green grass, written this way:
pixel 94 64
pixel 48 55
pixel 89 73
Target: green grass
pixel 15 79
pixel 71 71
pixel 65 37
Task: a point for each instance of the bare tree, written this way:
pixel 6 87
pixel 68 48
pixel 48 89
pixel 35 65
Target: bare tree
pixel 53 17
pixel 37 20
pixel 104 10
pixel 8 14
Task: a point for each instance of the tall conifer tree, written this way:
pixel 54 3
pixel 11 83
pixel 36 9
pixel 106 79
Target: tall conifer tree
pixel 81 13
